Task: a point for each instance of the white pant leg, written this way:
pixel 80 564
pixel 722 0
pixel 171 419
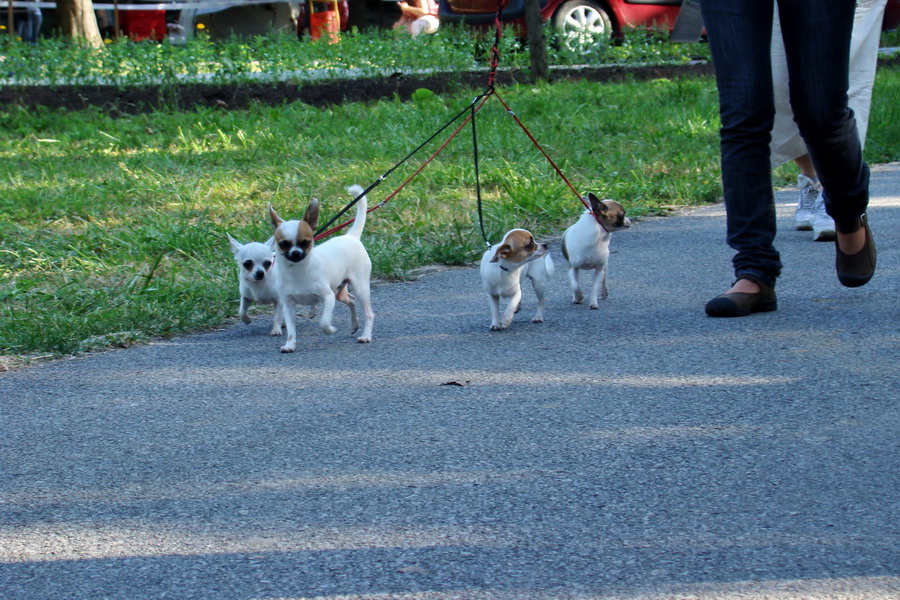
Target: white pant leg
pixel 428 24
pixel 786 141
pixel 864 60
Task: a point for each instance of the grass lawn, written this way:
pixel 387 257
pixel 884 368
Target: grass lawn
pixel 113 230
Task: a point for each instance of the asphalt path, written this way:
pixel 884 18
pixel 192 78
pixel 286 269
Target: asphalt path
pixel 638 451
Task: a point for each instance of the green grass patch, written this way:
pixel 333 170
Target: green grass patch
pixel 285 58
pixel 113 230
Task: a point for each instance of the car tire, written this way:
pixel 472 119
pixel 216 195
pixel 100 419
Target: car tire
pixel 583 16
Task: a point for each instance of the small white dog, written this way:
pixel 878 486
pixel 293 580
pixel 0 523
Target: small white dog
pixel 310 274
pixel 257 278
pixel 586 245
pixel 505 266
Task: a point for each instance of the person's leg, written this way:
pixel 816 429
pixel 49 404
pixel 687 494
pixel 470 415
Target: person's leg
pixel 35 20
pixel 805 166
pixel 739 34
pixel 864 60
pixel 786 142
pixel 817 45
pixel 425 24
pixel 864 43
pixel 819 98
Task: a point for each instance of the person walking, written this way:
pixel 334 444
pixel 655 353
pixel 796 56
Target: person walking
pixel 787 145
pixel 817 46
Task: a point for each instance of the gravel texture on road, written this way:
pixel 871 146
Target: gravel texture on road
pixel 638 451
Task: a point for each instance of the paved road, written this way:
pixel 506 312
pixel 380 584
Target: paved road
pixel 639 451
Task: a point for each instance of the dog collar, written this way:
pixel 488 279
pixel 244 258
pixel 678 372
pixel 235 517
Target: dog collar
pixel 599 222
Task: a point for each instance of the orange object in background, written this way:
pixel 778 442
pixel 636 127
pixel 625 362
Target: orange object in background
pixel 326 23
pixel 143 24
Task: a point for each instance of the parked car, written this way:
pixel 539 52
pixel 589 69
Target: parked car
pixel 594 18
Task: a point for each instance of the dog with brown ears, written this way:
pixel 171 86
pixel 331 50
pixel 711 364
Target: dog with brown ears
pixel 322 274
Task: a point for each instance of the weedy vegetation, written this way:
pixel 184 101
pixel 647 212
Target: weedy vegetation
pixel 112 229
pixel 282 57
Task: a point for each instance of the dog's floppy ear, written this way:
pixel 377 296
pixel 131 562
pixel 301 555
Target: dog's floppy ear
pixel 274 218
pixel 311 216
pixel 597 207
pixel 236 246
pixel 501 253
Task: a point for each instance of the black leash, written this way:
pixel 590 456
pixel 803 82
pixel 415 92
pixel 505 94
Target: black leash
pixel 323 230
pixel 472 109
pixel 495 62
pixel 478 178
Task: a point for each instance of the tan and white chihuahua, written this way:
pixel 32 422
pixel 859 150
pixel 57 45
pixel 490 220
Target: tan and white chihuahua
pixel 256 278
pixel 586 246
pixel 313 274
pixel 505 266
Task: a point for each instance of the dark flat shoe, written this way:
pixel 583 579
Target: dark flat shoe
pixel 857 269
pixel 739 304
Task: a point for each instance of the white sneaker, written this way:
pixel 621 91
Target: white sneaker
pixel 822 224
pixel 806 205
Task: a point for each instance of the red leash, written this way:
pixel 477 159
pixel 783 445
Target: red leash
pixel 550 160
pixel 480 100
pixel 483 98
pixel 539 147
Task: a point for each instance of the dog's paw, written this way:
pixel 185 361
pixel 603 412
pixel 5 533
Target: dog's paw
pixel 496 327
pixel 246 319
pixel 275 332
pixel 595 306
pixel 537 320
pixel 329 329
pixel 364 340
pixel 287 349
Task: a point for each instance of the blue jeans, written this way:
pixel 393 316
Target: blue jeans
pixel 817 47
pixel 29 28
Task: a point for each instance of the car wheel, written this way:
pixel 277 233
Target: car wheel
pixel 582 23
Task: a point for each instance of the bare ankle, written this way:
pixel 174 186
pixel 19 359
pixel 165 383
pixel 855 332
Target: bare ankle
pixel 852 243
pixel 744 286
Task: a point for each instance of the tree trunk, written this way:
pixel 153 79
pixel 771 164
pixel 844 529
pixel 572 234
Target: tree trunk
pixel 76 19
pixel 537 43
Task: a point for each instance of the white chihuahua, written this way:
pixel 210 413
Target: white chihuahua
pixel 586 245
pixel 257 278
pixel 505 266
pixel 312 275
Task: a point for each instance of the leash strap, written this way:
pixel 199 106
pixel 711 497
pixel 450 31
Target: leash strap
pixel 478 178
pixel 495 49
pixel 472 109
pixel 539 147
pixel 550 160
pixel 479 100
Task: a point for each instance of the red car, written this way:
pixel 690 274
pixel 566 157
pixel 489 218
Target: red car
pixel 595 17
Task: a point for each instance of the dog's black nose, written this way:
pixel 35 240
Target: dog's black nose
pixel 259 275
pixel 295 255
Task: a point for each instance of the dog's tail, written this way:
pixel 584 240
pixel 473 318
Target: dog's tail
pixel 548 263
pixel 360 222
